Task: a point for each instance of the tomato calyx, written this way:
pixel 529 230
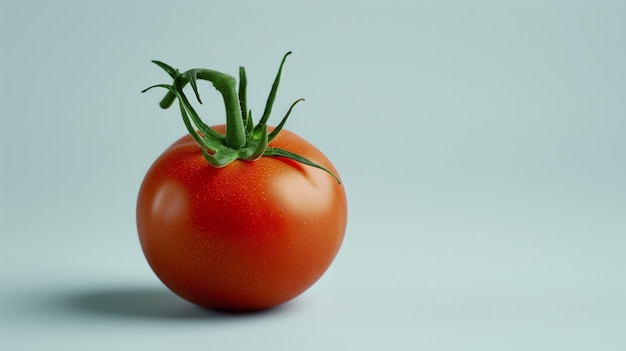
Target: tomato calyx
pixel 243 139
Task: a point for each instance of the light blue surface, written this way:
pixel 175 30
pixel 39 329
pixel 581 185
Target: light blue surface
pixel 482 147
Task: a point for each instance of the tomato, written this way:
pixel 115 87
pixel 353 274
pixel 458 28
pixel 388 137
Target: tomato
pixel 251 235
pixel 238 216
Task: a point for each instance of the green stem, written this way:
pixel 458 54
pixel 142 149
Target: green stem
pixel 168 100
pixel 235 132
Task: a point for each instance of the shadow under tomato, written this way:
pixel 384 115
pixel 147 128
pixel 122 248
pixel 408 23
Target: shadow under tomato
pixel 147 303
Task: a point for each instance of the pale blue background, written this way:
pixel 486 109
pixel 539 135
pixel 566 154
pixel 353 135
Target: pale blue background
pixel 481 144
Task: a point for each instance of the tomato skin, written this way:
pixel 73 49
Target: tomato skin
pixel 249 236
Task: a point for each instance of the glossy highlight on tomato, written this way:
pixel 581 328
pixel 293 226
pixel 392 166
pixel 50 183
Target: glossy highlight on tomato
pixel 248 235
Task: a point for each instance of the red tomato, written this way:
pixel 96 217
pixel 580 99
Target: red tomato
pixel 251 235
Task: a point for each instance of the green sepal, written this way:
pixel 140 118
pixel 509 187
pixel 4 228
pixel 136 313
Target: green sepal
pixel 272 96
pixel 200 125
pixel 280 126
pixel 243 82
pixel 274 151
pixel 249 123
